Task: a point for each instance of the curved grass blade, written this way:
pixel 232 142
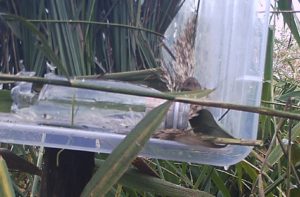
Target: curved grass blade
pixel 6 187
pixel 277 153
pixel 42 41
pixel 105 24
pixel 118 162
pixel 294 94
pixel 133 179
pixel 219 182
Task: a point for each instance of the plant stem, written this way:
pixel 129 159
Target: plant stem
pixel 84 85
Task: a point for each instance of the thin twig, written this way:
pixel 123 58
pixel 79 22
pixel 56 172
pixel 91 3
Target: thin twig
pixel 288 179
pixel 254 186
pixel 281 11
pixel 130 75
pixel 97 23
pixel 285 11
pixel 259 110
pixel 287 153
pixel 286 156
pixel 36 178
pixel 279 125
pixel 81 84
pixel 260 158
pixel 261 192
pixel 279 104
pixel 233 141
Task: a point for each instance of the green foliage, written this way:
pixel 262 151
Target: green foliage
pixel 89 37
pixel 266 122
pixel 5 182
pixel 290 18
pixel 118 43
pixel 119 160
pixel 5 101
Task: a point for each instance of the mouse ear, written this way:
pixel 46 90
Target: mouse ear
pixel 190 84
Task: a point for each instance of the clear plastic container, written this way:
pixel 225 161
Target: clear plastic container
pixel 230 57
pixel 93 110
pixel 230 51
pixel 82 119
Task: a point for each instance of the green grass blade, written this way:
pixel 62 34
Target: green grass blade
pixel 5 101
pixel 178 171
pixel 277 153
pixel 290 18
pixel 201 176
pixel 239 175
pixel 293 94
pixel 120 159
pixel 6 187
pixel 134 179
pixel 220 183
pixel 251 172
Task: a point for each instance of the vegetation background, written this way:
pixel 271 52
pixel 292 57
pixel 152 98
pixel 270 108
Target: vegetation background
pixel 76 37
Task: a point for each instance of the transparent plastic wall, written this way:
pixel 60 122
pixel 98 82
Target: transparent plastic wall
pixel 230 51
pixel 230 56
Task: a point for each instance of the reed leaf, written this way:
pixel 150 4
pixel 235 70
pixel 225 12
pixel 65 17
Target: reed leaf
pixel 290 19
pixel 119 160
pixel 134 179
pixel 220 183
pixel 6 187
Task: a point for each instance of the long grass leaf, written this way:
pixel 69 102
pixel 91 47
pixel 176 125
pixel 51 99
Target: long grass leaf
pixel 205 170
pixel 6 187
pixel 117 163
pixel 290 18
pixel 220 184
pixel 133 179
pixel 178 171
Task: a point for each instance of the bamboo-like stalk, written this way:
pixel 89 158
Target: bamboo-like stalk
pixel 233 141
pixel 82 84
